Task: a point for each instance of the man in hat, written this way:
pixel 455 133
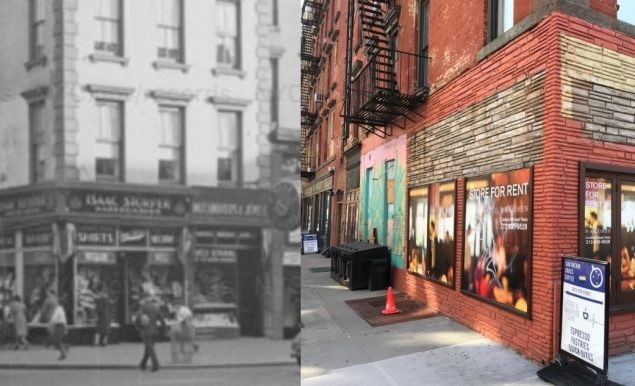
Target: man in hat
pixel 150 324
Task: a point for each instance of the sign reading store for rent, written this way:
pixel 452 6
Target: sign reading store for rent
pixel 584 316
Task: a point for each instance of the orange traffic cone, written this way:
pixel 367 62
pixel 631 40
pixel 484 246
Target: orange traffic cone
pixel 390 304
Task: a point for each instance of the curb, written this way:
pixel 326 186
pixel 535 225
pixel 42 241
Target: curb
pixel 47 366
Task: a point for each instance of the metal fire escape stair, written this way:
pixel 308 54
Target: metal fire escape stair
pixel 377 94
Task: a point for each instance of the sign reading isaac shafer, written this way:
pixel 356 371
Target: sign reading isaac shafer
pixel 121 203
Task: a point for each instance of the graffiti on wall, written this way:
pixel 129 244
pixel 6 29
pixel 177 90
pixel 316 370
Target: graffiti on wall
pixel 383 195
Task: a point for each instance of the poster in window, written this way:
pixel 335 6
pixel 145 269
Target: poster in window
pixel 440 257
pixel 497 246
pixel 597 218
pixel 627 249
pixel 417 236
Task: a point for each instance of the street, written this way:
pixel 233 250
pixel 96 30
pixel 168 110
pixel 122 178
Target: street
pixel 248 376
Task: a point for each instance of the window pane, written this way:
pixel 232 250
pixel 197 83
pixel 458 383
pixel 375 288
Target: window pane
pixel 225 169
pixel 169 170
pixel 228 131
pixel 40 10
pixel 227 18
pixel 108 9
pixel 171 126
pixel 508 14
pixel 109 121
pixel 169 12
pixel 627 250
pixel 597 218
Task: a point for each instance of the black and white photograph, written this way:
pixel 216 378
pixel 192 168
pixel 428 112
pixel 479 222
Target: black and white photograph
pixel 149 192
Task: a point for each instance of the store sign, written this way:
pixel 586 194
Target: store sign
pixel 39 258
pixel 7 241
pixel 135 204
pixel 226 236
pixel 37 237
pixel 162 258
pixel 584 311
pixel 286 206
pixel 96 258
pixel 210 255
pixel 17 205
pixel 133 237
pixel 96 235
pixel 164 237
pixel 309 243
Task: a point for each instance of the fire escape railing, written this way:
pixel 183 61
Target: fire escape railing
pixel 312 12
pixel 389 86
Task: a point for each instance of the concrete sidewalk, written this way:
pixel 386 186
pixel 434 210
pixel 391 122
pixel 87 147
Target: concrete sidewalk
pixel 340 348
pixel 215 353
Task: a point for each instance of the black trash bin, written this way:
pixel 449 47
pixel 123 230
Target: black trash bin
pixel 350 263
pixel 378 276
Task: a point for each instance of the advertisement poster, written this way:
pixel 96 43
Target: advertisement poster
pixel 309 243
pixel 597 218
pixel 627 250
pixel 584 311
pixel 418 233
pixel 496 258
pixel 440 258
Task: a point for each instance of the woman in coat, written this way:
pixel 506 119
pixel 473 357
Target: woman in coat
pixel 17 313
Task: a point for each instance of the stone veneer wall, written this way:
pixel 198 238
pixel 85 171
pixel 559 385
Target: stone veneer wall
pixel 501 132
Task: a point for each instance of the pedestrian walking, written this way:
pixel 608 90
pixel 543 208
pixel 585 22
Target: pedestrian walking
pixel 17 314
pixel 57 330
pixel 102 329
pixel 151 325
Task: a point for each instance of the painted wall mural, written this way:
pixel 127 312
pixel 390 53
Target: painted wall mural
pixel 383 196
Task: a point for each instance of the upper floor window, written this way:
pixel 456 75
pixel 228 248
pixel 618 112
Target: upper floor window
pixel 501 17
pixel 228 152
pixel 626 11
pixel 109 26
pixel 274 12
pixel 170 29
pixel 228 33
pixel 37 141
pixel 424 11
pixel 275 68
pixel 171 147
pixel 37 17
pixel 109 147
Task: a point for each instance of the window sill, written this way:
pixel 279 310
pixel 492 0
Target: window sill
pixel 165 65
pixel 40 61
pixel 97 57
pixel 229 71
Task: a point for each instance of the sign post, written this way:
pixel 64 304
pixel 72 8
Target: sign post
pixel 584 331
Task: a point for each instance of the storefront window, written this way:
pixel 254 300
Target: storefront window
pixel 417 239
pixel 7 279
pixel 97 275
pixel 39 277
pixel 496 258
pixel 627 250
pixel 597 218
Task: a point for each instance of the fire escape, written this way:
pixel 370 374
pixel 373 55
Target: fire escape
pixel 392 83
pixel 312 11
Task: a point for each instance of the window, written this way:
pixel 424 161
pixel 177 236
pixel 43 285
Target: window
pixel 38 142
pixel 626 11
pixel 330 135
pixel 275 117
pixel 274 12
pixel 37 15
pixel 170 29
pixel 109 27
pixel 607 229
pixel 335 44
pixel 227 34
pixel 108 154
pixel 424 8
pixel 501 17
pixel 229 138
pixel 171 146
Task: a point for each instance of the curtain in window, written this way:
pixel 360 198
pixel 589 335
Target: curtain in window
pixel 171 126
pixel 227 131
pixel 169 23
pixel 227 32
pixel 109 122
pixel 108 24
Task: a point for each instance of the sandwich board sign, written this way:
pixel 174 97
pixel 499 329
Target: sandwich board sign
pixel 309 243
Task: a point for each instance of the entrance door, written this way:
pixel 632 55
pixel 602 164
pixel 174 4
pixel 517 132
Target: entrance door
pixel 251 284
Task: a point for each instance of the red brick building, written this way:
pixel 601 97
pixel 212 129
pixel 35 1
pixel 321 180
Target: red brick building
pixel 480 140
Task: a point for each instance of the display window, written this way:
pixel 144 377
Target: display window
pixel 497 239
pixel 291 297
pixel 153 274
pixel 607 227
pixel 431 232
pixel 39 276
pixel 7 279
pixel 97 274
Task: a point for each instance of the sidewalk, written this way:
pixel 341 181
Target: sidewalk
pixel 215 353
pixel 340 348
